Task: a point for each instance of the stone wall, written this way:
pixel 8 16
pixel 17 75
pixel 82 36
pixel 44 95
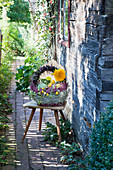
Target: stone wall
pixel 89 64
pixel 105 62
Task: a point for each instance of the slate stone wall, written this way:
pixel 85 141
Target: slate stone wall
pixel 89 64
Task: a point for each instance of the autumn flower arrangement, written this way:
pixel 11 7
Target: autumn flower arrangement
pixel 49 91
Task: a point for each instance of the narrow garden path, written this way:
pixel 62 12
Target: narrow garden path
pixel 33 154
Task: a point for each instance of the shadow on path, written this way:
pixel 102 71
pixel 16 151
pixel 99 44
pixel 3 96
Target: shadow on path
pixel 33 154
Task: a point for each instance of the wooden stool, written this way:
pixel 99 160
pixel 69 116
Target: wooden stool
pixel 33 105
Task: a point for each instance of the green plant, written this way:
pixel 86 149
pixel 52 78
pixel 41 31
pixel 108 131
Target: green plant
pixel 15 40
pixel 5 151
pixel 44 23
pixel 5 77
pixel 101 149
pixel 51 132
pixel 66 130
pixel 5 108
pixel 19 12
pixel 25 72
pixel 70 150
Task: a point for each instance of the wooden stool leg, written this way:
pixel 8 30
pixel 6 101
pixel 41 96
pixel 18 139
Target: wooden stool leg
pixel 57 124
pixel 40 119
pixel 61 112
pixel 29 121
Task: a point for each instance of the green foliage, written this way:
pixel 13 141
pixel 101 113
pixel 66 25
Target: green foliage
pixel 5 78
pixel 1 12
pixel 51 131
pixel 5 151
pixel 66 130
pixel 44 22
pixel 15 40
pixel 5 108
pixel 25 72
pixel 9 45
pixel 19 12
pixel 101 152
pixel 70 150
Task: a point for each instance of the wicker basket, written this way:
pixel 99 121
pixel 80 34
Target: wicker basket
pixel 56 94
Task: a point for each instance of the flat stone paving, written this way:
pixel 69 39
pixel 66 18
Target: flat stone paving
pixel 34 153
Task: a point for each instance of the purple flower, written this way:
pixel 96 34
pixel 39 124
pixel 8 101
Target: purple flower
pixel 40 89
pixel 55 90
pixel 48 91
pixel 63 86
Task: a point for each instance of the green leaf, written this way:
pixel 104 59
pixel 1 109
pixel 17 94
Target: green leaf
pixel 41 85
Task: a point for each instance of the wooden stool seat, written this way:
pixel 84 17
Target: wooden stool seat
pixel 33 105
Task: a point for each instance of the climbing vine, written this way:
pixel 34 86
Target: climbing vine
pixel 44 17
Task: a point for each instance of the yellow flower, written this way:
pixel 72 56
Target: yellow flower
pixel 48 78
pixel 52 82
pixel 43 88
pixel 57 93
pixel 59 74
pixel 42 91
pixel 57 85
pixel 49 85
pixel 47 94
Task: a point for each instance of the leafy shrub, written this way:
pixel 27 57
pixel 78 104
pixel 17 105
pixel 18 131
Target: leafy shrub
pixel 16 42
pixel 5 77
pixel 5 151
pixel 101 152
pixel 19 12
pixel 5 108
pixel 66 130
pixel 24 73
pixel 13 40
pixel 51 131
pixel 69 151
